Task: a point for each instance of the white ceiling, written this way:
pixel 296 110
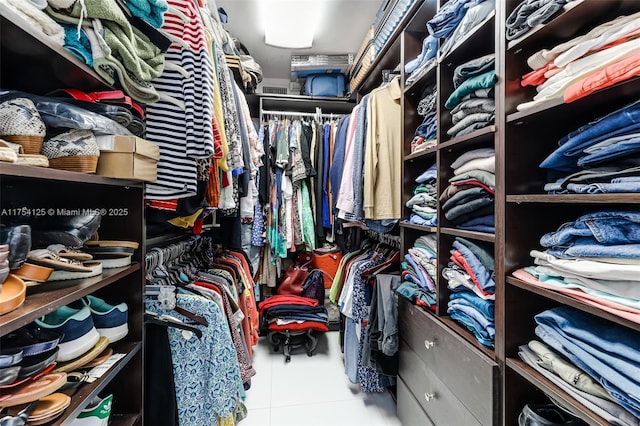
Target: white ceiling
pixel 341 31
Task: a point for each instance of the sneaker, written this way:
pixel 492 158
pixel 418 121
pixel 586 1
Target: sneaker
pixel 110 321
pixel 96 414
pixel 77 328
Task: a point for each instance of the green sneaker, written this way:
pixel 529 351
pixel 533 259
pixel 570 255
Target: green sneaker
pixel 96 414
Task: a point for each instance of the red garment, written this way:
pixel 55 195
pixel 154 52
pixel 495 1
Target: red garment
pixel 213 186
pixel 536 77
pixel 286 299
pixel 300 326
pixel 474 182
pixel 170 205
pixel 614 73
pixel 459 260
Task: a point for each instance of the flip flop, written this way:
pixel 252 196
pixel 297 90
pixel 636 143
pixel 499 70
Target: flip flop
pixel 111 243
pixel 47 408
pixel 48 258
pixel 35 390
pixel 69 253
pixel 31 272
pixel 13 294
pixel 96 269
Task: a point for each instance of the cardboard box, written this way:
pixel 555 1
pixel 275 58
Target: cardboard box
pixel 128 157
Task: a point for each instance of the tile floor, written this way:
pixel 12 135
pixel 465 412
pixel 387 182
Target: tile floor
pixel 311 390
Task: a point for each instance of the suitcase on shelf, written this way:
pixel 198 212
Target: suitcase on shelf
pixel 330 85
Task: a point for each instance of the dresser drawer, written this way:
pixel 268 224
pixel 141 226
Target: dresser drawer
pixel 440 404
pixel 409 410
pixel 468 373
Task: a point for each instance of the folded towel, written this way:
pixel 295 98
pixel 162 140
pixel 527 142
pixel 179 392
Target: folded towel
pixel 152 11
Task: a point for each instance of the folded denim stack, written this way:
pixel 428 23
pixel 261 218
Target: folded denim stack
pixel 426 133
pixel 531 13
pixel 599 157
pixel 470 276
pixel 476 14
pixel 424 202
pixel 606 55
pixel 608 352
pixel 472 102
pixel 419 273
pixel 596 259
pixel 575 382
pixel 468 200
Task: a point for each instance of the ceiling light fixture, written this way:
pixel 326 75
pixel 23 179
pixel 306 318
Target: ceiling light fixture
pixel 290 24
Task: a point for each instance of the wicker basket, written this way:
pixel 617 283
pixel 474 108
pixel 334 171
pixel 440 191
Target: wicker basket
pixel 30 144
pixel 75 163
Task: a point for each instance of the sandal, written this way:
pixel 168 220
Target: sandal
pixel 48 258
pixel 69 253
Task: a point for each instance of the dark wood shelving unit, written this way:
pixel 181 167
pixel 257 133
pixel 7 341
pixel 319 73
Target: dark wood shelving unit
pixel 575 303
pixel 30 172
pixel 422 228
pixel 541 382
pixel 478 137
pixel 421 155
pixel 88 391
pixel 428 77
pixel 124 419
pixel 482 236
pixel 47 297
pixel 460 331
pixel 575 198
pixel 473 41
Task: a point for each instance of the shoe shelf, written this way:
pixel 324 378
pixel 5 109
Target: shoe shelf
pixel 541 382
pixel 422 228
pixel 87 391
pixel 472 139
pixel 21 171
pixel 482 236
pixel 49 296
pixel 570 301
pixel 32 62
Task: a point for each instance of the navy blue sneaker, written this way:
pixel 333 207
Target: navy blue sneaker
pixel 77 328
pixel 110 321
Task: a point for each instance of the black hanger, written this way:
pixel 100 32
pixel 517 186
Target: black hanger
pixel 165 322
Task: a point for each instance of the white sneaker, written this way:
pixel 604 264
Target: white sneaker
pixel 96 414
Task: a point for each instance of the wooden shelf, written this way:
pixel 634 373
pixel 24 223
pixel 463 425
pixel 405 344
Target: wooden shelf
pixel 419 155
pixel 461 331
pixel 43 173
pixel 554 391
pixel 570 301
pixel 429 76
pixel 474 41
pixel 407 225
pixel 479 136
pixel 482 236
pixel 88 391
pixel 123 419
pixel 575 198
pixel 33 63
pixel 49 296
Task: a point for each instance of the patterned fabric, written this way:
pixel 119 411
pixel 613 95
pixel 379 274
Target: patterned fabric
pixel 297 225
pixel 231 119
pixel 370 380
pixel 206 372
pixel 308 227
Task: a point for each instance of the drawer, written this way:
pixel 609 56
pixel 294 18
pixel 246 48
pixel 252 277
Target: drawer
pixel 440 404
pixel 409 410
pixel 468 373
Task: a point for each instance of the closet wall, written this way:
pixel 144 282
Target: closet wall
pixel 445 375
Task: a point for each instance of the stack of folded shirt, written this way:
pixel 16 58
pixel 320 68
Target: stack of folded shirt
pixel 606 55
pixel 472 102
pixel 607 352
pixel 531 13
pixel 426 132
pixel 475 15
pixel 468 201
pixel 596 259
pixel 419 272
pixel 599 157
pixel 424 202
pixel 296 313
pixel 424 62
pixel 470 276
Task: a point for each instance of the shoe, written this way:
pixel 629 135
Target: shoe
pixel 75 150
pixel 20 122
pixel 71 231
pixel 19 240
pixel 77 328
pixel 110 321
pixel 97 413
pixel 546 415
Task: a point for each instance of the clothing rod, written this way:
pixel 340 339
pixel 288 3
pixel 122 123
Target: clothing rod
pixel 300 114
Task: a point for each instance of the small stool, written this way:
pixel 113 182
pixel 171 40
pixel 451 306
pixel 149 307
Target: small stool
pixel 293 339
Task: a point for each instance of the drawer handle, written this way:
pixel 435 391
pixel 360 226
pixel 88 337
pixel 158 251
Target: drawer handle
pixel 429 396
pixel 428 344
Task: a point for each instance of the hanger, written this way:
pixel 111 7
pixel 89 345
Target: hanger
pixel 151 318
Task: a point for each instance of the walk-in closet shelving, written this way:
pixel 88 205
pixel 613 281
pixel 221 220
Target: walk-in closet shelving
pixel 529 212
pixel 32 63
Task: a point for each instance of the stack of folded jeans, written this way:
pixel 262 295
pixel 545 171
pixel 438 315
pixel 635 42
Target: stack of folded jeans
pixel 470 276
pixel 595 258
pixel 425 136
pixel 599 157
pixel 606 55
pixel 419 273
pixel 468 201
pixel 608 352
pixel 531 13
pixel 475 15
pixel 575 382
pixel 424 202
pixel 472 102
